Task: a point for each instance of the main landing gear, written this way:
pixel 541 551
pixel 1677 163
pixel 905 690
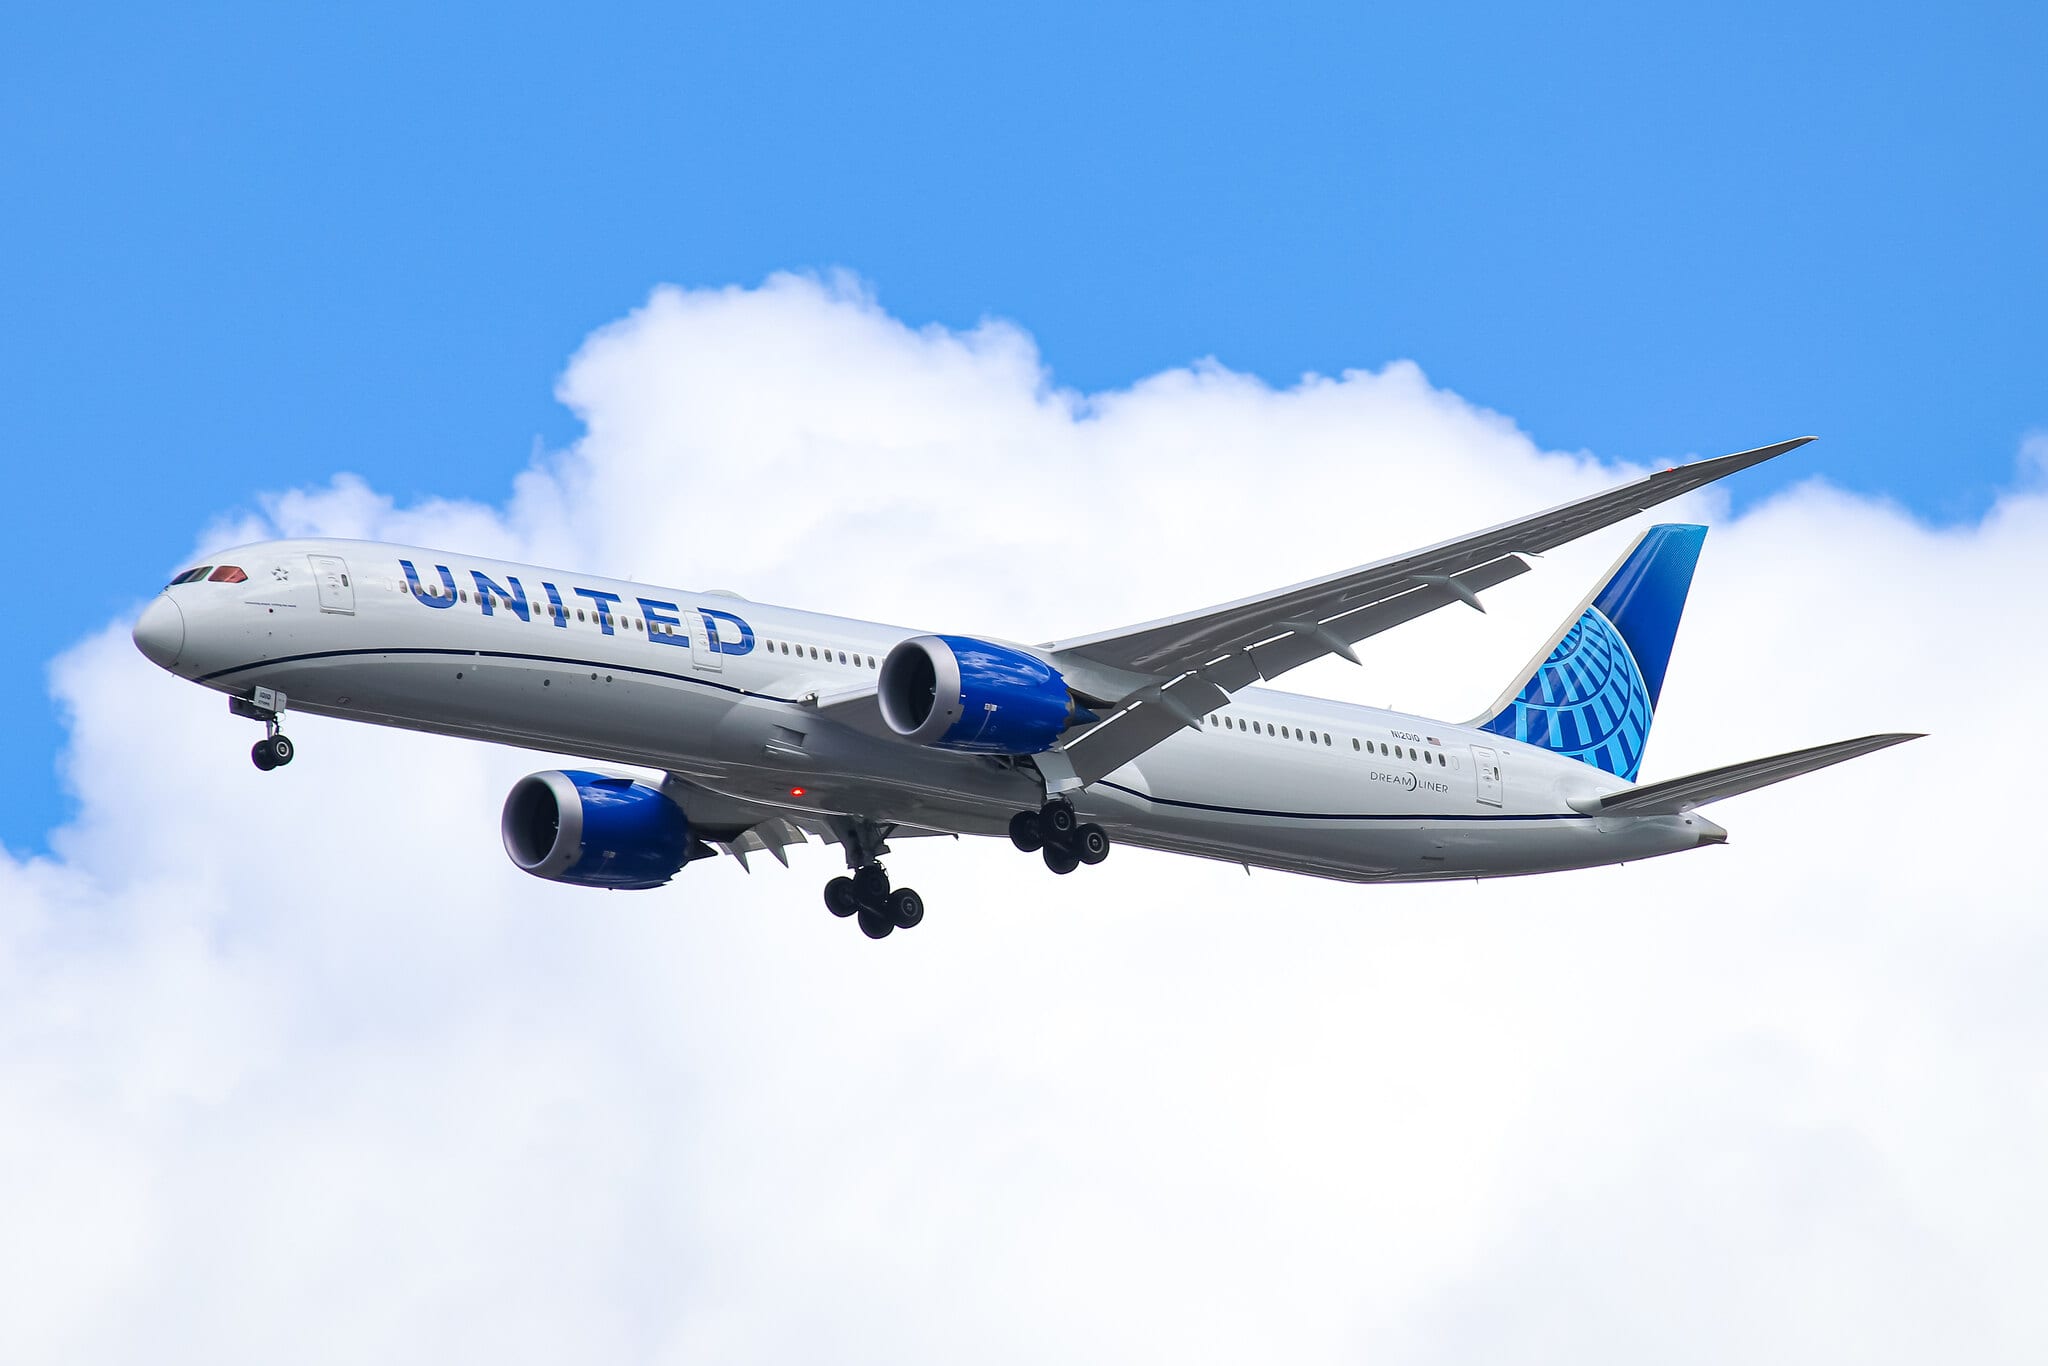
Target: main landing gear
pixel 1057 831
pixel 867 895
pixel 267 706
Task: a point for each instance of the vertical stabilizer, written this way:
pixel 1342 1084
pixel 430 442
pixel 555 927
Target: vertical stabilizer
pixel 1592 692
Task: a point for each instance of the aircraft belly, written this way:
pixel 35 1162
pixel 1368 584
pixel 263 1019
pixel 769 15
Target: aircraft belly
pixel 1330 813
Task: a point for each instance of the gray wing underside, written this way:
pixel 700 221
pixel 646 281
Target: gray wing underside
pixel 775 835
pixel 1167 674
pixel 741 828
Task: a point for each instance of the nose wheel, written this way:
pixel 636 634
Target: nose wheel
pixel 1057 833
pixel 272 751
pixel 265 705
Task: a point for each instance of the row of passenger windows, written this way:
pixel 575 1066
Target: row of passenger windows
pixel 1312 737
pixel 1315 737
pixel 827 655
pixel 543 611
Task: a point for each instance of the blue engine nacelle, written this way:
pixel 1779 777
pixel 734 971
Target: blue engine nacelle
pixel 954 692
pixel 594 831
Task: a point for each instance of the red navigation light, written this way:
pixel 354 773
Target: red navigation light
pixel 796 792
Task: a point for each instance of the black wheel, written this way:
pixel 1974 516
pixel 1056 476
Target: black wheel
pixel 1058 820
pixel 1061 860
pixel 906 908
pixel 260 756
pixel 840 897
pixel 1024 832
pixel 1091 844
pixel 871 881
pixel 875 922
pixel 281 750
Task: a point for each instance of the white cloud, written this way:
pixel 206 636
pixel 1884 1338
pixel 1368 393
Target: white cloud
pixel 298 1066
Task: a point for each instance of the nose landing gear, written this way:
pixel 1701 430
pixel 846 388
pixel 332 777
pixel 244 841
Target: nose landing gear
pixel 265 705
pixel 1057 832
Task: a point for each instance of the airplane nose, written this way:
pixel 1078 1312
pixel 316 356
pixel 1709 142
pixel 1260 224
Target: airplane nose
pixel 160 632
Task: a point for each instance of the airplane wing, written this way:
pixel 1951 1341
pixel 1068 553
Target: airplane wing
pixel 1675 796
pixel 1166 674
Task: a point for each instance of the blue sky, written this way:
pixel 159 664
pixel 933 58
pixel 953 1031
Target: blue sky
pixel 245 249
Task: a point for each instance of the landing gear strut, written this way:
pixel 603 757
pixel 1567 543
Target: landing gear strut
pixel 1057 832
pixel 867 895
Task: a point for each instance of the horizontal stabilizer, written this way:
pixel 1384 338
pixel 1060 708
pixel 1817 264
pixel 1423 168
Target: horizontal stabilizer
pixel 1676 795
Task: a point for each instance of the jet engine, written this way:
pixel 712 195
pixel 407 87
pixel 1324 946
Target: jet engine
pixel 593 831
pixel 958 693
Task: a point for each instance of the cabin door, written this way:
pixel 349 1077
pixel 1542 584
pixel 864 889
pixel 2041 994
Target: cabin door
pixel 704 642
pixel 1487 765
pixel 330 575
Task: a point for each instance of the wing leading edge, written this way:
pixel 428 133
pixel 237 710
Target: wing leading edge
pixel 1166 674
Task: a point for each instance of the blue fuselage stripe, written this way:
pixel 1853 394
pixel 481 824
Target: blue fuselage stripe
pixel 603 666
pixel 1413 818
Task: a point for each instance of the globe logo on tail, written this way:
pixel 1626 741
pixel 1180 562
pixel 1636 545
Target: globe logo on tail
pixel 1587 700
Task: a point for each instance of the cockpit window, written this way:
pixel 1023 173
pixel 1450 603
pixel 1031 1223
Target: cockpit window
pixel 192 575
pixel 228 573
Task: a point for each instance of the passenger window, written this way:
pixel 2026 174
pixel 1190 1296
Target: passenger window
pixel 1354 744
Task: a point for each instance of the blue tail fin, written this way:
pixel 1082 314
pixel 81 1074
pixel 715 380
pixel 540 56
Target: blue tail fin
pixel 1592 693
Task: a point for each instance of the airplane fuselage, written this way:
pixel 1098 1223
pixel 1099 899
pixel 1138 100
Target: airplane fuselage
pixel 726 693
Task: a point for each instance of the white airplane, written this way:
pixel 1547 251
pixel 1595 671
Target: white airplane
pixel 771 724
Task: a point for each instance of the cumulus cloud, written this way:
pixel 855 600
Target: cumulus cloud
pixel 298 1066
